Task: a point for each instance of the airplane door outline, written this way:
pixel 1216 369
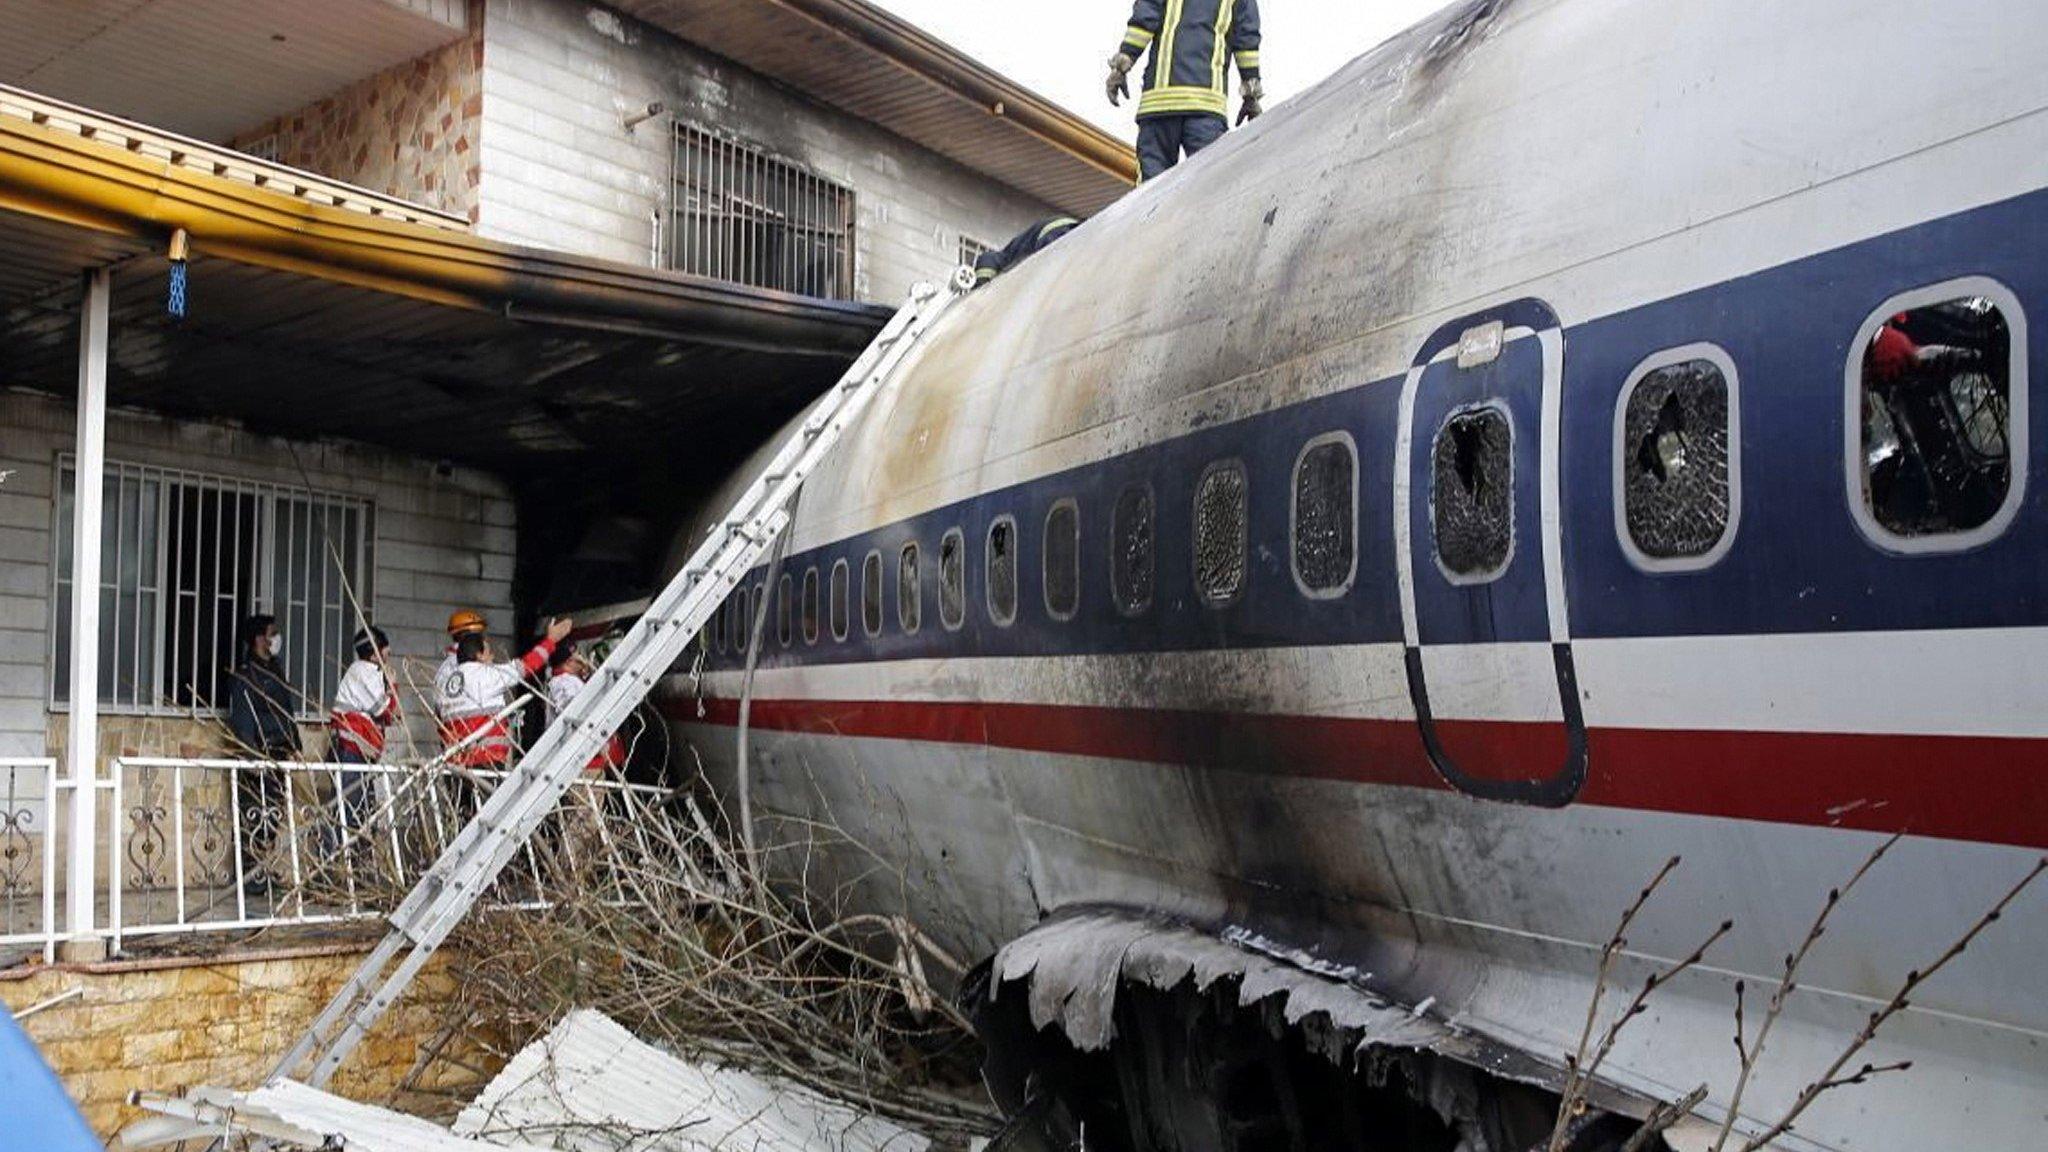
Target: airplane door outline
pixel 1476 341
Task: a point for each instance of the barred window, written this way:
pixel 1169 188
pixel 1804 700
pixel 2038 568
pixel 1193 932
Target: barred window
pixel 1002 571
pixel 952 579
pixel 1063 560
pixel 972 249
pixel 742 215
pixel 1130 558
pixel 184 557
pixel 871 594
pixel 909 593
pixel 841 579
pixel 1220 532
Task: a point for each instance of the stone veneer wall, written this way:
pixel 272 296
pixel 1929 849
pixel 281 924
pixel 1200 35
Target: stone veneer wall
pixel 409 131
pixel 164 1024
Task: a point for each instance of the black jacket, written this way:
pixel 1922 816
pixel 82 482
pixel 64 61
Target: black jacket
pixel 989 265
pixel 1193 43
pixel 260 708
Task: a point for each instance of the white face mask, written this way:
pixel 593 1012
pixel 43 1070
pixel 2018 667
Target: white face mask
pixel 277 645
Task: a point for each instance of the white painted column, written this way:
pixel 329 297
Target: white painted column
pixel 83 739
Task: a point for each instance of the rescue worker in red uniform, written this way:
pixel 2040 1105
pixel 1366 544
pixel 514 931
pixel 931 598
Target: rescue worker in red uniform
pixel 365 704
pixel 465 622
pixel 471 698
pixel 571 674
pixel 1185 101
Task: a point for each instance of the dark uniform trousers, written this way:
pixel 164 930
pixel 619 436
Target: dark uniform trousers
pixel 1165 138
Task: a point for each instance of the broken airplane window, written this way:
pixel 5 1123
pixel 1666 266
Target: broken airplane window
pixel 840 594
pixel 1063 560
pixel 1676 429
pixel 909 602
pixel 952 579
pixel 1002 570
pixel 1937 405
pixel 782 611
pixel 736 620
pixel 810 606
pixel 1220 533
pixel 1130 557
pixel 1471 494
pixel 871 594
pixel 1326 516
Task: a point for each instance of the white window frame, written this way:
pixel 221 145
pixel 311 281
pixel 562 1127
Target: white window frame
pixel 1855 475
pixel 264 583
pixel 1343 587
pixel 960 539
pixel 882 589
pixel 1683 354
pixel 910 626
pixel 841 576
pixel 988 570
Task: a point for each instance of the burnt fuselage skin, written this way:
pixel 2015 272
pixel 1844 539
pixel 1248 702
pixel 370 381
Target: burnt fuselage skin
pixel 1455 774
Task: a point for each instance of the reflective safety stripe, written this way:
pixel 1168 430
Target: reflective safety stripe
pixel 1225 9
pixel 1248 59
pixel 491 749
pixel 1181 98
pixel 1162 56
pixel 1137 39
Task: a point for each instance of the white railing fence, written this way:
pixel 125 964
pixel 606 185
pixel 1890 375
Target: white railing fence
pixel 35 839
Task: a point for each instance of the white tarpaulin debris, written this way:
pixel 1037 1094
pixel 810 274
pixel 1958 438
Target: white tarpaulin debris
pixel 588 1082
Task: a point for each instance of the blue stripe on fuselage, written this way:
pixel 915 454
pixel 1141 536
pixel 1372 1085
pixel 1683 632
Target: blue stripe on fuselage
pixel 1798 564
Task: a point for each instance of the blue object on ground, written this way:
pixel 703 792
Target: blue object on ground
pixel 34 1110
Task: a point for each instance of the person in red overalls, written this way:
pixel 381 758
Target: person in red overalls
pixel 571 674
pixel 471 700
pixel 365 704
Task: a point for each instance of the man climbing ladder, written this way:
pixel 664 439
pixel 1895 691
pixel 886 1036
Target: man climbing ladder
pixel 1186 83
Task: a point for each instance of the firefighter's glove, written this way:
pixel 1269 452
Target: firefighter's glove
pixel 1254 92
pixel 1118 85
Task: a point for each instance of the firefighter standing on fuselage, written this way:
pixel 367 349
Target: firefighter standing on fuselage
pixel 1185 104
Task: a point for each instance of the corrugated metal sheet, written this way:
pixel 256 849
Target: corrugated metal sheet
pixel 209 68
pixel 297 1116
pixel 589 1081
pixel 875 66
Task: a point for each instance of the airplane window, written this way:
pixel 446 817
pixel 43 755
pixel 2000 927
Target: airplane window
pixel 871 594
pixel 782 611
pixel 736 620
pixel 1675 457
pixel 1130 556
pixel 810 605
pixel 1063 560
pixel 1941 417
pixel 1002 570
pixel 1325 523
pixel 952 579
pixel 1471 494
pixel 1220 532
pixel 717 630
pixel 754 610
pixel 909 601
pixel 840 594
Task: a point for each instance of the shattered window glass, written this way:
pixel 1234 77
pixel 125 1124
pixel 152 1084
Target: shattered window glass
pixel 1131 561
pixel 736 621
pixel 1002 570
pixel 1936 402
pixel 952 579
pixel 841 588
pixel 909 604
pixel 782 611
pixel 1325 516
pixel 717 630
pixel 871 594
pixel 1220 533
pixel 1674 464
pixel 810 605
pixel 1471 493
pixel 1063 560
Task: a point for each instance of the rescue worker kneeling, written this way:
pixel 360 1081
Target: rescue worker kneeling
pixel 472 702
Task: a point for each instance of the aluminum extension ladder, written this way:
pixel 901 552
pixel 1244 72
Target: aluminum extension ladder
pixel 469 865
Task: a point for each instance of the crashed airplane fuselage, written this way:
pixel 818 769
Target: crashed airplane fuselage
pixel 1579 432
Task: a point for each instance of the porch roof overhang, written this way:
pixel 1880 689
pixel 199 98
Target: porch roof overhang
pixel 319 320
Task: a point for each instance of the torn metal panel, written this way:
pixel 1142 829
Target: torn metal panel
pixel 294 1115
pixel 590 1086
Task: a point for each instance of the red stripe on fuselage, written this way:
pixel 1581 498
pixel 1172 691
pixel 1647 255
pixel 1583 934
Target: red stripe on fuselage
pixel 1988 789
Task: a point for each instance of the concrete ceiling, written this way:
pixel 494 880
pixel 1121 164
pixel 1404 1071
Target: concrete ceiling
pixel 163 61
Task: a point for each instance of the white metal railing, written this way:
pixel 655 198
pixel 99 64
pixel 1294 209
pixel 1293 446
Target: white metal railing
pixel 199 156
pixel 234 845
pixel 28 818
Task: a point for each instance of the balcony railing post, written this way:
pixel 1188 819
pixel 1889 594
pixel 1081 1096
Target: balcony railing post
pixel 82 737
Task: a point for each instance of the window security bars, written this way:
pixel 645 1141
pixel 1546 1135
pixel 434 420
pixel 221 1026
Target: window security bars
pixel 744 216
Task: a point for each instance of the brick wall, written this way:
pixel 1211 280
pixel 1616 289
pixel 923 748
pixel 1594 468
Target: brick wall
pixel 224 1021
pixel 409 131
pixel 561 171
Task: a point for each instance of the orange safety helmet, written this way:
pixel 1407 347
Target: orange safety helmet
pixel 466 621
